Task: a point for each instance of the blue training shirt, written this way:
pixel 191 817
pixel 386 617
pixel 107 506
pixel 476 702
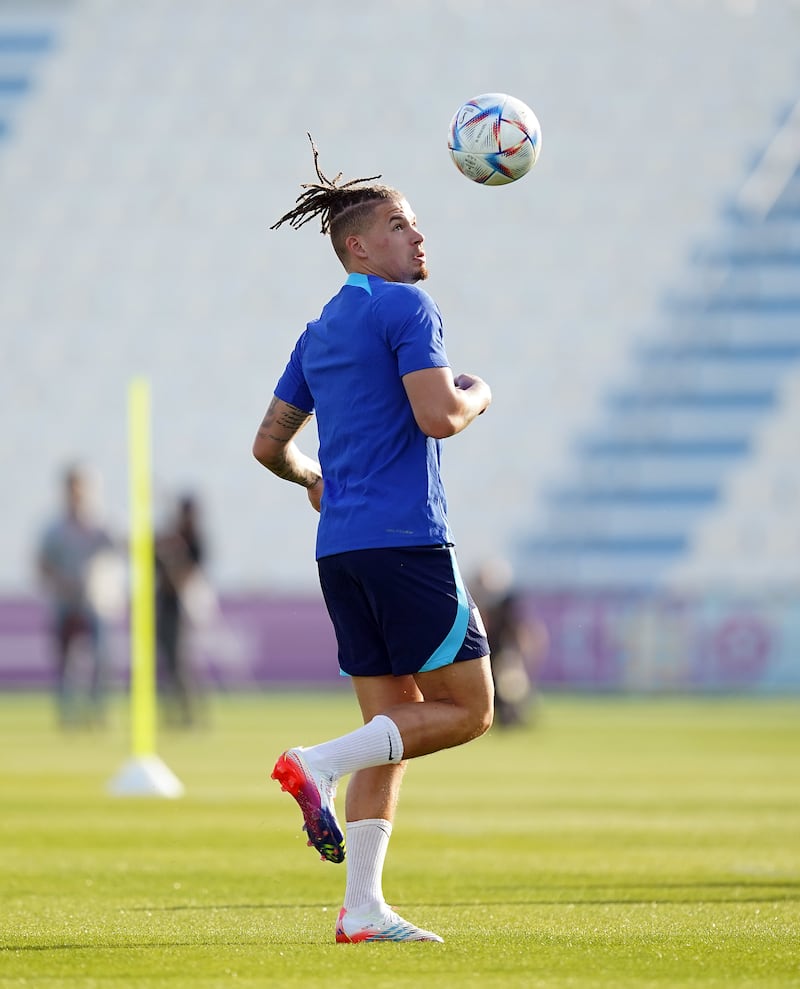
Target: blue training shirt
pixel 383 485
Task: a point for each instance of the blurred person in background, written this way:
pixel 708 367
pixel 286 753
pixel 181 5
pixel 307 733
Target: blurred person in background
pixel 83 576
pixel 517 644
pixel 183 599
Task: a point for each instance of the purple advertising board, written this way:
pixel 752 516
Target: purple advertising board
pixel 594 642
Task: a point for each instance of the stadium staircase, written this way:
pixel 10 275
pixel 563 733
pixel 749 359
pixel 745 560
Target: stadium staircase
pixel 26 39
pixel 653 488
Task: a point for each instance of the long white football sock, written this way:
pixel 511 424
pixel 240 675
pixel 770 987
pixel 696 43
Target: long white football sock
pixel 367 842
pixel 376 743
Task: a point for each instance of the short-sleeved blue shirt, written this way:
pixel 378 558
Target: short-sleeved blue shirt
pixel 383 485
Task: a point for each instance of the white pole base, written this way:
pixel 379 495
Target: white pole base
pixel 145 776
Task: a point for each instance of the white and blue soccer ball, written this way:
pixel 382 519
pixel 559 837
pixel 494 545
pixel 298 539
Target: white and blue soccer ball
pixel 494 139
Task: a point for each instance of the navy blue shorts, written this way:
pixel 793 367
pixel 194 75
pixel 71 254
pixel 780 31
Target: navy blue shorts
pixel 400 610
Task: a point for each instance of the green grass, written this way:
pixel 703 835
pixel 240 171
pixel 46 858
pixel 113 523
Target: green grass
pixel 617 843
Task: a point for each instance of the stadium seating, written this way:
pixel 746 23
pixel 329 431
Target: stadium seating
pixel 690 479
pixel 146 147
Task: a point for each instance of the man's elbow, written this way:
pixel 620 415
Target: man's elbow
pixel 439 427
pixel 264 453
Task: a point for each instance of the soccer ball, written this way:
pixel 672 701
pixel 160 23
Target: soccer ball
pixel 494 139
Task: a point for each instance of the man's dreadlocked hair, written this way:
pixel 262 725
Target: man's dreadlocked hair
pixel 340 207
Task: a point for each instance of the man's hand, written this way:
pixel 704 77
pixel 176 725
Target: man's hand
pixel 314 493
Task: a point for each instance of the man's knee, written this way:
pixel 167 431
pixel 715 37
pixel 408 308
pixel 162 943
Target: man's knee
pixel 478 715
pixel 483 718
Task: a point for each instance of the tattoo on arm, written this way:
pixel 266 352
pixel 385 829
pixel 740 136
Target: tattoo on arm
pixel 283 427
pixel 291 471
pixel 281 423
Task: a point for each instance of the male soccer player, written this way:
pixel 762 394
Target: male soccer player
pixel 374 371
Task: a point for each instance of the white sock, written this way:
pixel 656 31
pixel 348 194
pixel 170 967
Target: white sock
pixel 376 743
pixel 367 842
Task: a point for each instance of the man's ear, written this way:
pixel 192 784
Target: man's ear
pixel 354 244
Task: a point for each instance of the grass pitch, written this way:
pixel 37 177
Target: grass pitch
pixel 616 843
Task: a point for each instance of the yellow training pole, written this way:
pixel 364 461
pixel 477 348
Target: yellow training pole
pixel 142 622
pixel 144 774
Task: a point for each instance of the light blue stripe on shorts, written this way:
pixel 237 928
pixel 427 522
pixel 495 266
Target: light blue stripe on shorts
pixel 446 652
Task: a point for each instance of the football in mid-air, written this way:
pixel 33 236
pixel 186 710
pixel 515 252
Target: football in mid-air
pixel 494 139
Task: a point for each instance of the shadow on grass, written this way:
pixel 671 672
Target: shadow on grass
pixel 787 891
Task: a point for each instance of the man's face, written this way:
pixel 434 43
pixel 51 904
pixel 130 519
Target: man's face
pixel 393 244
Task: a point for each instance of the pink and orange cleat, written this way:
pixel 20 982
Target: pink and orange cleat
pixel 314 792
pixel 384 925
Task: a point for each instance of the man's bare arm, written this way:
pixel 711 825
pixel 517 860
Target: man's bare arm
pixel 442 405
pixel 275 449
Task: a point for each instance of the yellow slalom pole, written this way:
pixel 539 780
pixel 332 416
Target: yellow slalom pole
pixel 142 561
pixel 144 774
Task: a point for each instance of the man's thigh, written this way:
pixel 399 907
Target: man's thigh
pixel 377 694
